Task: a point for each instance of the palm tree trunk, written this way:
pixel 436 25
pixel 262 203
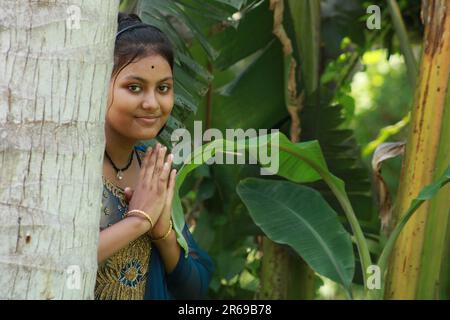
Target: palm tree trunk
pixel 416 260
pixel 54 76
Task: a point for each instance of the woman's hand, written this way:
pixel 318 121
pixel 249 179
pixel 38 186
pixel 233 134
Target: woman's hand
pixel 162 225
pixel 151 190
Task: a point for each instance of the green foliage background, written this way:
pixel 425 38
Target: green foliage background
pixel 230 73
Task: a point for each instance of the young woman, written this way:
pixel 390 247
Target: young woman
pixel 138 254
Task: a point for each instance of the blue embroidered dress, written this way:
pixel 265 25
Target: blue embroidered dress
pixel 137 271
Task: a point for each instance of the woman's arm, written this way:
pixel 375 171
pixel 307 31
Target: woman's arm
pixel 169 250
pixel 187 278
pixel 119 235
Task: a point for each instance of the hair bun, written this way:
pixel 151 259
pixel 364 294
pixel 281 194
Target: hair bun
pixel 125 19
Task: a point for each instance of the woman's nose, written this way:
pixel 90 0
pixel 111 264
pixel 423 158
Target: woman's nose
pixel 150 101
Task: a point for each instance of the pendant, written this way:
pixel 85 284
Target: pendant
pixel 119 175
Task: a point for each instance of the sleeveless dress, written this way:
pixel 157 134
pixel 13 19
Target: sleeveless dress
pixel 136 272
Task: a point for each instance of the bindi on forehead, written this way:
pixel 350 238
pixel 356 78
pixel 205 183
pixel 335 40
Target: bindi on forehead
pixel 153 67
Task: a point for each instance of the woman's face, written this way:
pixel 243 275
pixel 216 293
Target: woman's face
pixel 142 100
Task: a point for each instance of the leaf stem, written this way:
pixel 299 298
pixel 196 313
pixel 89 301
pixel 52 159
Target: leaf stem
pixel 405 46
pixel 360 240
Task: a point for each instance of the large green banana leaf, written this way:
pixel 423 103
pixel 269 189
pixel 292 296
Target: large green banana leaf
pixel 299 217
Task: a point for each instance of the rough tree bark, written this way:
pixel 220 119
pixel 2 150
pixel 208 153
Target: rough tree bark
pixel 54 76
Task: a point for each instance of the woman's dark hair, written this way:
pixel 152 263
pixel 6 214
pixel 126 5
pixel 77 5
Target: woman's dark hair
pixel 137 43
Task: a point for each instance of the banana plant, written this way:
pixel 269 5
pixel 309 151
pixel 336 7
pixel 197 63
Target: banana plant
pixel 296 215
pixel 219 38
pixel 415 266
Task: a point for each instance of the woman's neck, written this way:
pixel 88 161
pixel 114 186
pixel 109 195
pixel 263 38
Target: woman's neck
pixel 118 147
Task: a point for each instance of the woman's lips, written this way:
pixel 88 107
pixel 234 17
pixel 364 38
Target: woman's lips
pixel 147 120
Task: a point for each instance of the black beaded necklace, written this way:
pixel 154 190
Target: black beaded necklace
pixel 120 171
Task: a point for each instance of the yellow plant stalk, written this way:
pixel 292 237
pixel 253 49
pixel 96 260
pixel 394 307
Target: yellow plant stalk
pixel 424 153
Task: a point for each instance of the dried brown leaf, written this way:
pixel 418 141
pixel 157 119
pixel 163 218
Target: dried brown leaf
pixel 383 152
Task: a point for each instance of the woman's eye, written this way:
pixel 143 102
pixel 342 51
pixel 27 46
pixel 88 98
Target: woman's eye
pixel 136 90
pixel 164 88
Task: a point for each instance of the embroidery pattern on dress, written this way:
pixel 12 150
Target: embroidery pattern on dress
pixel 125 273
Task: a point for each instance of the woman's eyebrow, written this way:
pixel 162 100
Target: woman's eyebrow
pixel 136 78
pixel 166 78
pixel 145 81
